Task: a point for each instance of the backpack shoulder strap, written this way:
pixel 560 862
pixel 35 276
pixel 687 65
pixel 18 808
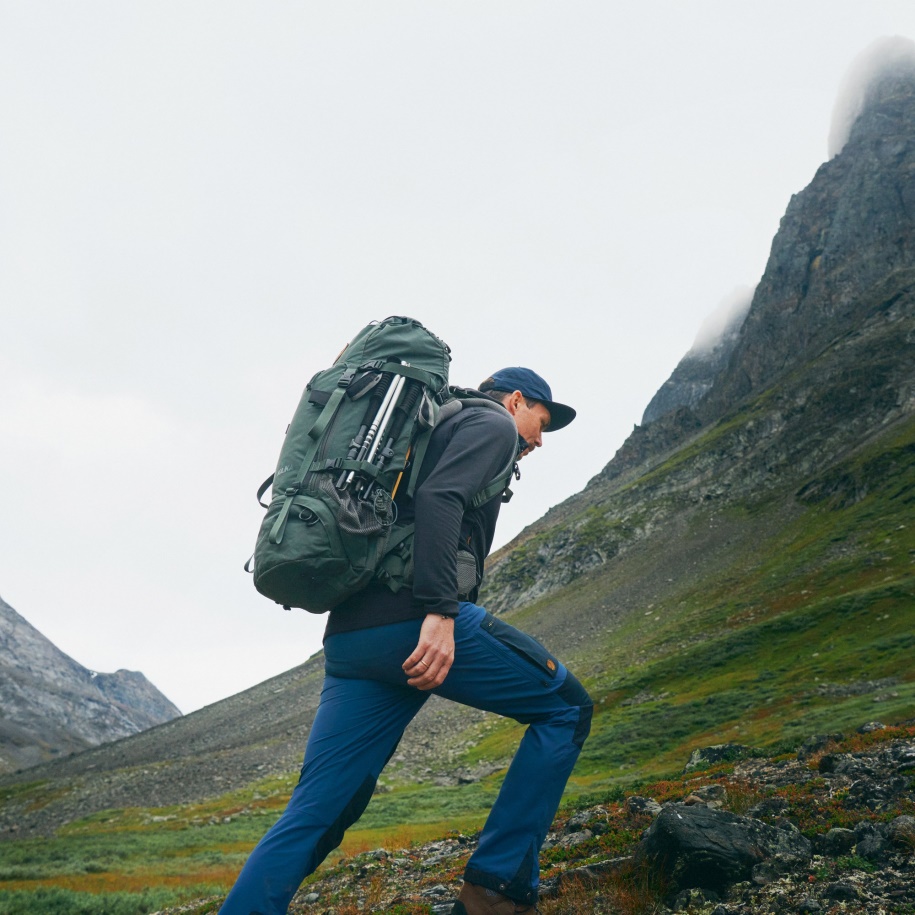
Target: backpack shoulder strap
pixel 498 485
pixel 460 398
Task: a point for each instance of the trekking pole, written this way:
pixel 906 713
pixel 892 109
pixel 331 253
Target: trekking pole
pixel 398 420
pixel 394 395
pixel 368 446
pixel 374 406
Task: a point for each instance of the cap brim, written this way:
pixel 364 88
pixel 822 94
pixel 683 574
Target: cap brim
pixel 560 415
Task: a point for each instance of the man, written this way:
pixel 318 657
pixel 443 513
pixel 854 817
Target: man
pixel 385 653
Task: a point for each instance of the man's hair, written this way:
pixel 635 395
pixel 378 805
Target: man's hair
pixel 488 387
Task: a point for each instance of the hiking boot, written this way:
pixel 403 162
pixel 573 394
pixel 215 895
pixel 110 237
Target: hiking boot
pixel 477 900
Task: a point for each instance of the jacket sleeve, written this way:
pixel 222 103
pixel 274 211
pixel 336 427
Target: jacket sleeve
pixel 481 445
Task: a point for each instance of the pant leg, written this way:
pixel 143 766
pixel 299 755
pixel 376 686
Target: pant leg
pixel 356 729
pixel 359 724
pixel 500 669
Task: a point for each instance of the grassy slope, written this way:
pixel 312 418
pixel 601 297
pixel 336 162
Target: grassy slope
pixel 756 648
pixel 759 634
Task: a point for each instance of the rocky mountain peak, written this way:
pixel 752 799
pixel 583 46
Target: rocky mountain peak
pixel 845 250
pixel 52 705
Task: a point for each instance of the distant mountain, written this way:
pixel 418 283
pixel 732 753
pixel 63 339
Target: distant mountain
pixel 50 705
pixel 741 570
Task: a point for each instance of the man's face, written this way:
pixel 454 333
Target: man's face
pixel 532 422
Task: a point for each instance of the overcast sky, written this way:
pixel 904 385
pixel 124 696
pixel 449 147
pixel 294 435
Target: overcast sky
pixel 200 203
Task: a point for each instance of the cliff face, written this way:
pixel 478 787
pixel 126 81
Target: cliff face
pixel 845 250
pixel 51 705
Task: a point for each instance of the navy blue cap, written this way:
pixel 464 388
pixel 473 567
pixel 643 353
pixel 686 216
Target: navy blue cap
pixel 531 385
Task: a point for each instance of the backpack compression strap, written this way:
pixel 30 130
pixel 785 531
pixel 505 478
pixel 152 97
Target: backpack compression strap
pixel 314 433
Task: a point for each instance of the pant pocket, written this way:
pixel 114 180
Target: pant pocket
pixel 521 644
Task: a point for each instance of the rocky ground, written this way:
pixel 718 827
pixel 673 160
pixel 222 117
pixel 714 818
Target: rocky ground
pixel 830 829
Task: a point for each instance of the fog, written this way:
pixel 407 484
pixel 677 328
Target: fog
pixel 726 318
pixel 882 58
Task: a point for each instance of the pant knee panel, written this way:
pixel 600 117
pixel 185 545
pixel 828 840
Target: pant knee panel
pixel 350 813
pixel 575 694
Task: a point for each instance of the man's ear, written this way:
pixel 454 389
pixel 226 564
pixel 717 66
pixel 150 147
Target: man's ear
pixel 513 401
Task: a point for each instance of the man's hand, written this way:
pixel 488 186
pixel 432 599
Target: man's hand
pixel 432 658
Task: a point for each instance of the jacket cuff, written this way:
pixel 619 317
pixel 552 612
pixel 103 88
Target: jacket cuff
pixel 449 608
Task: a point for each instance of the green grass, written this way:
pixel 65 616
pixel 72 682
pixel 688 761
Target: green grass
pixel 197 850
pixel 429 804
pixel 831 600
pixel 56 901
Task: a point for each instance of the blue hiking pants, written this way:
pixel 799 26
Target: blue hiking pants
pixel 365 707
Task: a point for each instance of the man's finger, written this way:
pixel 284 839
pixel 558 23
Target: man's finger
pixel 422 676
pixel 419 669
pixel 429 678
pixel 413 661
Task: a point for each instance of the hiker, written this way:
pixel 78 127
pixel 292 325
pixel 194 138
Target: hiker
pixel 386 652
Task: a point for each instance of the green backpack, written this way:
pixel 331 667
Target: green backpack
pixel 330 527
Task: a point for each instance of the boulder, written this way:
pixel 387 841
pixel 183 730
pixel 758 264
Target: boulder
pixel 701 847
pixel 901 832
pixel 638 804
pixel 816 744
pixel 839 842
pixel 711 756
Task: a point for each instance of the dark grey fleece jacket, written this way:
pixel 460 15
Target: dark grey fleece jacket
pixel 465 453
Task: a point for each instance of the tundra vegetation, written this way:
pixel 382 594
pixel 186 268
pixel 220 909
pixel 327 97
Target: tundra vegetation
pixel 808 632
